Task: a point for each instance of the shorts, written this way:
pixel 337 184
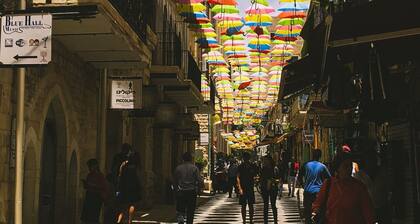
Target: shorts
pixel 248 197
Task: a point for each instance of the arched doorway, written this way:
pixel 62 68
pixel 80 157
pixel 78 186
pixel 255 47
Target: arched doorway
pixel 72 192
pixel 53 166
pixel 29 186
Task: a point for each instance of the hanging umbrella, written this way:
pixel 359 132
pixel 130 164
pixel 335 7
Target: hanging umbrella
pixel 260 20
pixel 229 23
pixel 223 2
pixel 227 16
pixel 194 7
pixel 233 30
pixel 288 14
pixel 225 9
pixel 294 6
pixel 262 2
pixel 291 21
pixel 259 9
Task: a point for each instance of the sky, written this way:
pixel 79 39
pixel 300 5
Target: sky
pixel 244 4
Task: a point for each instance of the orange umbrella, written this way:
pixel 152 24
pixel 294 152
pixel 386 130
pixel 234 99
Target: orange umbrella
pixel 223 2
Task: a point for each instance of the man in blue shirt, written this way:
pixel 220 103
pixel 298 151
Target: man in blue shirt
pixel 312 175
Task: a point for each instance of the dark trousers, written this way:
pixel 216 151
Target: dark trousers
pixel 232 185
pixel 185 205
pixel 270 197
pixel 308 199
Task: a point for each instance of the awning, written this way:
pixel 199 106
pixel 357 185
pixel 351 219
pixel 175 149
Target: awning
pixel 375 21
pixel 97 33
pixel 298 77
pixel 186 95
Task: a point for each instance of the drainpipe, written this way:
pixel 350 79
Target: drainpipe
pixel 20 116
pixel 101 144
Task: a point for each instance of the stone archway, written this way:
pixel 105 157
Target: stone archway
pixel 72 209
pixel 29 185
pixel 52 191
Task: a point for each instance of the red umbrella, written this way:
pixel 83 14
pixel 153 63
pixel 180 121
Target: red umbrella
pixel 223 2
pixel 244 85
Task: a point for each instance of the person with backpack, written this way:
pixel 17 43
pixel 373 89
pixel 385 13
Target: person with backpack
pixel 311 176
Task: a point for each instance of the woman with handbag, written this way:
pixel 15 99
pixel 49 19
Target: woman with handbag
pixel 269 187
pixel 343 199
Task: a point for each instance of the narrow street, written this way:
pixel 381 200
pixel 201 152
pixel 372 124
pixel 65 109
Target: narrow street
pixel 222 209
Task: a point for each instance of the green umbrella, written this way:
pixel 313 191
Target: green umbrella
pixel 291 21
pixel 262 2
pixel 225 9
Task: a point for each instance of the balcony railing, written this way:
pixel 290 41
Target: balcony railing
pixel 169 50
pixel 137 13
pixel 194 72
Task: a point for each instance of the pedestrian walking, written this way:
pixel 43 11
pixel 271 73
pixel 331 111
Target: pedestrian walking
pixel 245 180
pixel 293 169
pixel 344 199
pixel 97 192
pixel 232 173
pixel 282 172
pixel 269 188
pixel 312 175
pixel 128 187
pixel 187 181
pixel 118 159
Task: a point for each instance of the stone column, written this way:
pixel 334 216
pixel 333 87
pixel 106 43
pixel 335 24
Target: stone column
pixel 143 144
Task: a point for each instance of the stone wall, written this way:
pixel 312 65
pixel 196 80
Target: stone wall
pixel 69 88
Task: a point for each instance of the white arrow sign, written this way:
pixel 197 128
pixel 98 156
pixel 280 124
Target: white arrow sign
pixel 26 39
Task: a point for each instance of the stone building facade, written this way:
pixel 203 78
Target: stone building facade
pixel 67 120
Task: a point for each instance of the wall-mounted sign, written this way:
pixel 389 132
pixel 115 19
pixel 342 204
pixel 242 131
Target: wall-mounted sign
pixel 203 121
pixel 204 139
pixel 126 93
pixel 26 39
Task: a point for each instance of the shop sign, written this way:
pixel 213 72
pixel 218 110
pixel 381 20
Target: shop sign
pixel 126 93
pixel 26 39
pixel 204 139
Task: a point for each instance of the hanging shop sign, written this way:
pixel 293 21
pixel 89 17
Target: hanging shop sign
pixel 203 121
pixel 26 39
pixel 126 93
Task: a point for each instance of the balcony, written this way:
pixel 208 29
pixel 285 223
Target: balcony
pixel 169 60
pixel 104 33
pixel 177 71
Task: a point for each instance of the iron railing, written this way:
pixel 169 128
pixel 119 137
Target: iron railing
pixel 137 13
pixel 194 72
pixel 169 50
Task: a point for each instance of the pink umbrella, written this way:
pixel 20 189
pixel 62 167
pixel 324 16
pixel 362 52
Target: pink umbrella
pixel 227 16
pixel 260 9
pixel 284 47
pixel 234 43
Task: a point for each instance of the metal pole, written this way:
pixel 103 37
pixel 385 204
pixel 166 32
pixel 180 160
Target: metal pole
pixel 20 116
pixel 19 144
